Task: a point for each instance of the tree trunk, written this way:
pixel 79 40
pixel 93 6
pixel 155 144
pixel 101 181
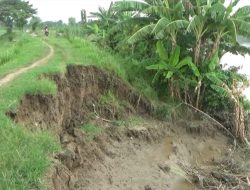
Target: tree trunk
pixel 239 122
pixel 215 46
pixel 198 90
pixel 171 84
pixel 197 52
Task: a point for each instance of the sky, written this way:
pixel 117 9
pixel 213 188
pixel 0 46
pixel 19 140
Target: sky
pixel 54 10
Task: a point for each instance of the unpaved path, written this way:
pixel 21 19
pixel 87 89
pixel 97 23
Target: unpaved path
pixel 9 77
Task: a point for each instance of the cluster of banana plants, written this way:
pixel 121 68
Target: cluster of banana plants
pixel 186 38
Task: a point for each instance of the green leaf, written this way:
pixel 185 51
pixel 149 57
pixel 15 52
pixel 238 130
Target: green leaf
pixel 213 62
pixel 143 32
pixel 184 62
pixel 130 6
pixel 159 66
pixel 214 78
pixel 161 51
pixel 197 25
pixel 174 58
pixel 194 68
pixel 157 76
pixel 220 90
pixel 164 24
pixel 169 74
pixel 243 12
pixel 188 61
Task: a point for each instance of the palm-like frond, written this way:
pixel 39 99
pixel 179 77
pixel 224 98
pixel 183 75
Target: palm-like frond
pixel 197 25
pixel 145 31
pixel 217 11
pixel 126 24
pixel 243 27
pixel 166 25
pixel 235 2
pixel 130 6
pixel 232 29
pixel 157 10
pixel 243 12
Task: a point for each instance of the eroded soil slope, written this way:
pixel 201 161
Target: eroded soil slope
pixel 146 155
pixel 78 94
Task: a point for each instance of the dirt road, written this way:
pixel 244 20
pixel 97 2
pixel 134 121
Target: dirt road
pixel 9 77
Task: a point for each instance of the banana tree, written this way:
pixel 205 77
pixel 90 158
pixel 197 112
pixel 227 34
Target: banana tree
pixel 228 86
pixel 172 67
pixel 165 18
pixel 198 26
pixel 222 23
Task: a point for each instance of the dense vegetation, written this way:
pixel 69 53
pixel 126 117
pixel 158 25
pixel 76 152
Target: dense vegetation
pixel 15 13
pixel 179 45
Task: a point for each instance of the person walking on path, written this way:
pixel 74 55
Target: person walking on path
pixel 46 30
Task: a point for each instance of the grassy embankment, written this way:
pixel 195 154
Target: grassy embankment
pixel 21 52
pixel 24 156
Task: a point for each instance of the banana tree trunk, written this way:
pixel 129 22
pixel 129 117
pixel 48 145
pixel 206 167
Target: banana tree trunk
pixel 239 120
pixel 198 90
pixel 215 46
pixel 197 52
pixel 171 85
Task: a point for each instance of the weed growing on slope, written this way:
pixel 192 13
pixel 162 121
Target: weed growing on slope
pixel 92 131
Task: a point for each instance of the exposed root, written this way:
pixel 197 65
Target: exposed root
pixel 228 175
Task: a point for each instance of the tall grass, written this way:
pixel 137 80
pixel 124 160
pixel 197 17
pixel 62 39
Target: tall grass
pixel 7 55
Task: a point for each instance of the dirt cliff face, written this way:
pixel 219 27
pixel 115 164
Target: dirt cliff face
pixel 78 93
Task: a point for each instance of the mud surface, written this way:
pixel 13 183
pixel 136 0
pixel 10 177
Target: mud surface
pixel 150 155
pixel 147 157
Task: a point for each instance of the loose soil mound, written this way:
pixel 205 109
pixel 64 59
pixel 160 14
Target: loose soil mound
pixel 149 155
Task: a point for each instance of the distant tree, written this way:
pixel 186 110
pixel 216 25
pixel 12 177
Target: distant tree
pixel 15 12
pixel 34 23
pixel 83 16
pixel 59 23
pixel 72 21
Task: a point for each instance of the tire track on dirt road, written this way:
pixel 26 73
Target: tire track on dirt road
pixel 9 77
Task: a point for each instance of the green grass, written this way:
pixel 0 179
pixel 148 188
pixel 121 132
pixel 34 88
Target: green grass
pixel 92 131
pixel 2 31
pixel 21 52
pixel 82 52
pixel 24 155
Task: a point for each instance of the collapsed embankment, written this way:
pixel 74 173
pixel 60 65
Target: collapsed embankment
pixel 77 97
pixel 151 155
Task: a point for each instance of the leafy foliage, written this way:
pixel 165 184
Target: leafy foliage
pixel 15 12
pixel 35 22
